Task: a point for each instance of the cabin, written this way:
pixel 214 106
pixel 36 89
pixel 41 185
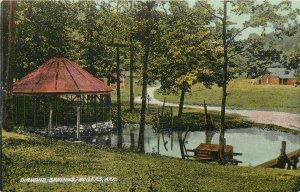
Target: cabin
pixel 278 76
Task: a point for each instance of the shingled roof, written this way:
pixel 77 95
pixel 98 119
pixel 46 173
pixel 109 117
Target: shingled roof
pixel 59 76
pixel 282 73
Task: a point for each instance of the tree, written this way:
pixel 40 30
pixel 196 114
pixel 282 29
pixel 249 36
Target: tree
pixel 187 49
pixel 263 14
pixel 40 33
pixel 146 24
pixel 3 33
pixel 255 54
pixel 10 68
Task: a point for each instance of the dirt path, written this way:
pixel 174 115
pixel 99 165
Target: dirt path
pixel 284 119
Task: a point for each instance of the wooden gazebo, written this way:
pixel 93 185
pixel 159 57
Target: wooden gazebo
pixel 60 94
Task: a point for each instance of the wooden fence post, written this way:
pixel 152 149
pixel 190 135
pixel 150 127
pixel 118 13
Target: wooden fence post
pixel 78 123
pixel 131 140
pixel 172 128
pixel 50 120
pixel 158 142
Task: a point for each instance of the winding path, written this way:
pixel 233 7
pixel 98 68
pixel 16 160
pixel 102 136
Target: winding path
pixel 284 119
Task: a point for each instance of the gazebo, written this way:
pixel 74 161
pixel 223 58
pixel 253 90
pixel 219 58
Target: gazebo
pixel 62 97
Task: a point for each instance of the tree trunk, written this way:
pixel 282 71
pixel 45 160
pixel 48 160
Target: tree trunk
pixel 3 28
pixel 224 87
pixel 119 115
pixel 131 78
pixel 183 91
pixel 8 124
pixel 144 97
pixel 180 140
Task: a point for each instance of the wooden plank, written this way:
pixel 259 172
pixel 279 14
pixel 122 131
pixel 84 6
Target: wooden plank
pixel 204 158
pixel 199 158
pixel 273 162
pixel 213 147
pixel 190 150
pixel 234 154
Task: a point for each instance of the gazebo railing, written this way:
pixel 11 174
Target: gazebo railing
pixel 52 113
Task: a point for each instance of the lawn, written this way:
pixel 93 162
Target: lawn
pixel 244 95
pixel 34 156
pixel 125 91
pixel 194 118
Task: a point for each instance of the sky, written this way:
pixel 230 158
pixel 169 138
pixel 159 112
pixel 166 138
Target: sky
pixel 240 19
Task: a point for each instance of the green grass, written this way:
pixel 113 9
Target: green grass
pixel 192 118
pixel 244 95
pixel 125 91
pixel 34 156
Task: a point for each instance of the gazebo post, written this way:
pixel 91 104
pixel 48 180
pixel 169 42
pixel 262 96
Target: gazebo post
pixel 34 112
pixel 16 108
pixel 50 121
pixel 108 106
pixel 78 122
pixel 24 111
pixel 95 108
pixel 56 111
pixel 102 108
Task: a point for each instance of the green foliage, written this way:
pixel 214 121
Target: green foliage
pixel 258 56
pixel 187 54
pixel 33 156
pixel 79 30
pixel 297 78
pixel 40 33
pixel 292 60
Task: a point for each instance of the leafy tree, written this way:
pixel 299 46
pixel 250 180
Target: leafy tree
pixel 146 19
pixel 263 14
pixel 258 57
pixel 188 51
pixel 40 33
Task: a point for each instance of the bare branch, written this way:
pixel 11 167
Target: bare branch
pixel 210 11
pixel 237 53
pixel 236 34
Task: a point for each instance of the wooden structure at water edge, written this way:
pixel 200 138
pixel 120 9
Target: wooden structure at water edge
pixel 210 152
pixel 272 163
pixel 291 158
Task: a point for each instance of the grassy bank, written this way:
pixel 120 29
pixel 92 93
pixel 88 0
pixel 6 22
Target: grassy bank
pixel 244 95
pixel 32 156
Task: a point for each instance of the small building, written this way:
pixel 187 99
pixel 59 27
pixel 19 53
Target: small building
pixel 60 97
pixel 114 80
pixel 278 76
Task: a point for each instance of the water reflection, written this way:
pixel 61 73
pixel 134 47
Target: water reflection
pixel 257 145
pixel 209 135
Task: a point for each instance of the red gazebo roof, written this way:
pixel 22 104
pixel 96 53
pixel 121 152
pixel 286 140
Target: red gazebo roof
pixel 59 76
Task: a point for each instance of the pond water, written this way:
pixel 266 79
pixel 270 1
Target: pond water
pixel 256 145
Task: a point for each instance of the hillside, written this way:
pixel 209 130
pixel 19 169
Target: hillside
pixel 283 43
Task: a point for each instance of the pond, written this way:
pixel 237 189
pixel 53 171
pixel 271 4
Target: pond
pixel 256 145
